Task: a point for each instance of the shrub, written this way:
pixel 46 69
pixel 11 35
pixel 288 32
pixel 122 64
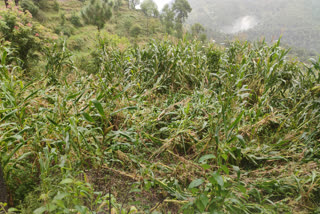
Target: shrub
pixel 75 20
pixel 75 43
pixel 24 35
pixel 30 6
pixel 56 6
pixel 66 30
pixel 203 37
pixel 127 25
pixel 135 30
pixel 97 13
pixel 43 4
pixel 41 16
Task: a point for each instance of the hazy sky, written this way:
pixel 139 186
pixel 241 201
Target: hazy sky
pixel 161 3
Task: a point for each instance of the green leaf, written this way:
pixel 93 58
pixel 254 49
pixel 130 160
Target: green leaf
pixel 242 189
pixel 67 181
pixel 200 205
pixel 52 121
pixel 216 179
pixel 225 169
pixel 204 199
pixel 235 123
pixel 99 107
pixel 7 116
pixel 206 157
pixel 12 153
pixel 12 210
pixel 237 169
pixel 40 210
pixel 87 117
pixel 196 183
pixel 60 196
pixel 126 108
pixel 240 138
pixel 205 166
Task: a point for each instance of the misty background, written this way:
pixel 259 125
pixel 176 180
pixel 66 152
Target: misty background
pixel 298 21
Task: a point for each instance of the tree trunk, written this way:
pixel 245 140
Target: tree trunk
pixel 17 2
pixel 6 2
pixel 3 189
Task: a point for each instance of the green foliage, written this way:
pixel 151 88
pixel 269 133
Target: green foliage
pixel 96 13
pixel 56 6
pixel 75 20
pixel 197 29
pixel 117 4
pixel 174 16
pixel 203 37
pixel 133 3
pixel 66 29
pixel 63 19
pixel 182 8
pixel 58 60
pixel 161 127
pixel 24 35
pixel 30 6
pixel 149 8
pixel 127 25
pixel 43 4
pixel 217 196
pixel 167 18
pixel 135 30
pixel 214 59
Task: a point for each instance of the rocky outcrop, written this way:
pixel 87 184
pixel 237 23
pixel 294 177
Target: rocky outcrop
pixel 3 189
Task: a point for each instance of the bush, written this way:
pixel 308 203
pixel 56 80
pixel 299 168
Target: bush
pixel 30 6
pixel 127 25
pixel 75 43
pixel 56 6
pixel 75 20
pixel 24 35
pixel 66 30
pixel 135 30
pixel 43 4
pixel 203 37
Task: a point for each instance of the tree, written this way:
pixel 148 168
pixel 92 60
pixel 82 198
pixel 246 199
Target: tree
pixel 167 18
pixel 97 13
pixel 133 3
pixel 117 4
pixel 150 9
pixel 182 8
pixel 30 6
pixel 196 29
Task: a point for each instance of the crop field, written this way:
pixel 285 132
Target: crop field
pixel 166 127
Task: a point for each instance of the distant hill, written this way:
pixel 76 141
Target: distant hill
pixel 297 20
